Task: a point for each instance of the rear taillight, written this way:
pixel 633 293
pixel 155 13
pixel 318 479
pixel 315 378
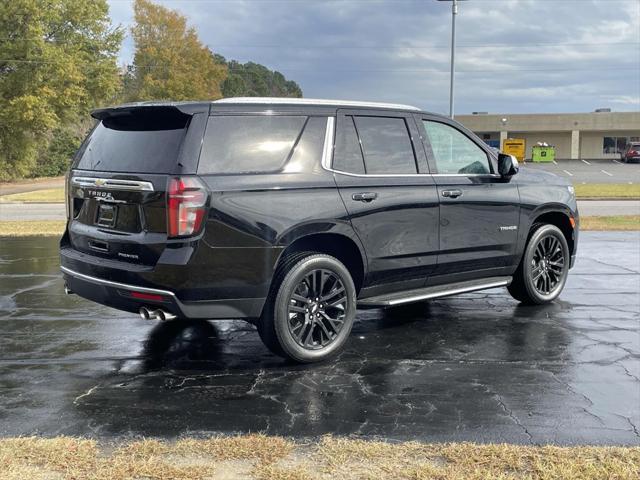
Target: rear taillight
pixel 67 199
pixel 632 153
pixel 186 199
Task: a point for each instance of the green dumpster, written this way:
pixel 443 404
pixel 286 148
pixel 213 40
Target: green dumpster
pixel 543 154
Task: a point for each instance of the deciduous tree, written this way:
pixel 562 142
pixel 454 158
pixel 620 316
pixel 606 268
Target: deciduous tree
pixel 57 60
pixel 254 80
pixel 170 61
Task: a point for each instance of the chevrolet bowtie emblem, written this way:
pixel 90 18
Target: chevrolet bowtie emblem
pixel 99 182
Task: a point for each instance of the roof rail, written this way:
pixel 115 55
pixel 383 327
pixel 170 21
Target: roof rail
pixel 312 101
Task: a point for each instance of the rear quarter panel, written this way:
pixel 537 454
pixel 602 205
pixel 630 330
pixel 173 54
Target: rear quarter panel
pixel 253 218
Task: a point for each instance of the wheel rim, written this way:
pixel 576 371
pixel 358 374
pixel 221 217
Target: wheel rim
pixel 317 309
pixel 547 265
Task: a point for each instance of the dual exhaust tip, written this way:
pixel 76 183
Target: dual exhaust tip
pixel 159 314
pixel 145 313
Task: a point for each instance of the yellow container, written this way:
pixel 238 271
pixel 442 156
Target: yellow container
pixel 515 147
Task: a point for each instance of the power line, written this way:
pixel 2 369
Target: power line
pixel 372 70
pixel 398 46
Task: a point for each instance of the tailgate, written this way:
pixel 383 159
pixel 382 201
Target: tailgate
pixel 117 216
pixel 117 188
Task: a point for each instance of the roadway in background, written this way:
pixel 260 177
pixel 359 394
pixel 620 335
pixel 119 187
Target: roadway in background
pixel 55 211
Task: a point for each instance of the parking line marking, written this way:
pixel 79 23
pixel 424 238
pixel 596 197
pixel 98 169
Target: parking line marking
pixel 616 161
pixel 586 162
pixel 555 163
pixel 568 173
pixel 607 173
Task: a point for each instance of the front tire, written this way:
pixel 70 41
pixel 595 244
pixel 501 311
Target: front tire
pixel 310 310
pixel 544 267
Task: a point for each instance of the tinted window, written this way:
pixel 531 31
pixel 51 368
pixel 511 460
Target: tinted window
pixel 115 147
pixel 454 152
pixel 248 143
pixel 308 151
pixel 386 145
pixel 348 156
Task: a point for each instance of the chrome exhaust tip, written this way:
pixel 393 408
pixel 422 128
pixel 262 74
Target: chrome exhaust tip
pixel 159 314
pixel 145 313
pixel 163 315
pixel 67 290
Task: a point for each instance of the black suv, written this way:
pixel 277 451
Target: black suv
pixel 292 213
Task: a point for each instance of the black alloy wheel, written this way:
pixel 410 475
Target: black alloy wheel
pixel 316 309
pixel 548 264
pixel 310 309
pixel 544 267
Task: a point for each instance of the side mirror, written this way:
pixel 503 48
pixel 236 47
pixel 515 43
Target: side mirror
pixel 507 165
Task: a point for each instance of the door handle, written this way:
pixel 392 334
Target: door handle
pixel 452 193
pixel 364 197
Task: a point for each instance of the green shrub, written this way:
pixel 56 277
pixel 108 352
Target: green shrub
pixel 56 158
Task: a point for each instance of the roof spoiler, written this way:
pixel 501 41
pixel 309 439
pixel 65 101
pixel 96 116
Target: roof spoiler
pixel 149 108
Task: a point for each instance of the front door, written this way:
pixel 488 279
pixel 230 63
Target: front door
pixel 380 169
pixel 479 210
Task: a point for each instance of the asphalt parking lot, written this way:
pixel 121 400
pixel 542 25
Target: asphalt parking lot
pixel 592 171
pixel 476 367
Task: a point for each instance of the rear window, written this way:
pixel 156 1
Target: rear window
pixel 348 156
pixel 386 145
pixel 136 145
pixel 248 143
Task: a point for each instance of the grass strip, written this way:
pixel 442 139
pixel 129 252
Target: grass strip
pixel 611 223
pixel 50 195
pixel 607 190
pixel 35 228
pixel 261 457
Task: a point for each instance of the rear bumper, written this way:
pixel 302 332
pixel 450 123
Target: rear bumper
pixel 119 295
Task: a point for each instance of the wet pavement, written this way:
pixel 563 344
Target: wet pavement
pixel 476 367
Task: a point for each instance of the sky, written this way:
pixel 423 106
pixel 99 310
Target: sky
pixel 512 56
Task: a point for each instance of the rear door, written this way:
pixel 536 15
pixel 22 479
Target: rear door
pixel 118 182
pixel 479 210
pixel 381 172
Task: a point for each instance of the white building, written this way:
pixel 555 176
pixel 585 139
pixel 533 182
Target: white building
pixel 597 135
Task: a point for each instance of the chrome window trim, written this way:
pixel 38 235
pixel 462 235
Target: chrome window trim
pixel 327 149
pixel 327 161
pixel 380 175
pixel 112 184
pixel 492 175
pixel 109 283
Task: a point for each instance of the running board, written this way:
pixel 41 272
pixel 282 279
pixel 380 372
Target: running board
pixel 437 291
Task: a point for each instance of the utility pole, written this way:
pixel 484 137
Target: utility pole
pixel 454 12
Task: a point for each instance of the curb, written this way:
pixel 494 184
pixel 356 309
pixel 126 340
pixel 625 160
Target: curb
pixel 608 199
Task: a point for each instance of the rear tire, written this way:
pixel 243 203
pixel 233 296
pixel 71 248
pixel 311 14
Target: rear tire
pixel 310 309
pixel 544 266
